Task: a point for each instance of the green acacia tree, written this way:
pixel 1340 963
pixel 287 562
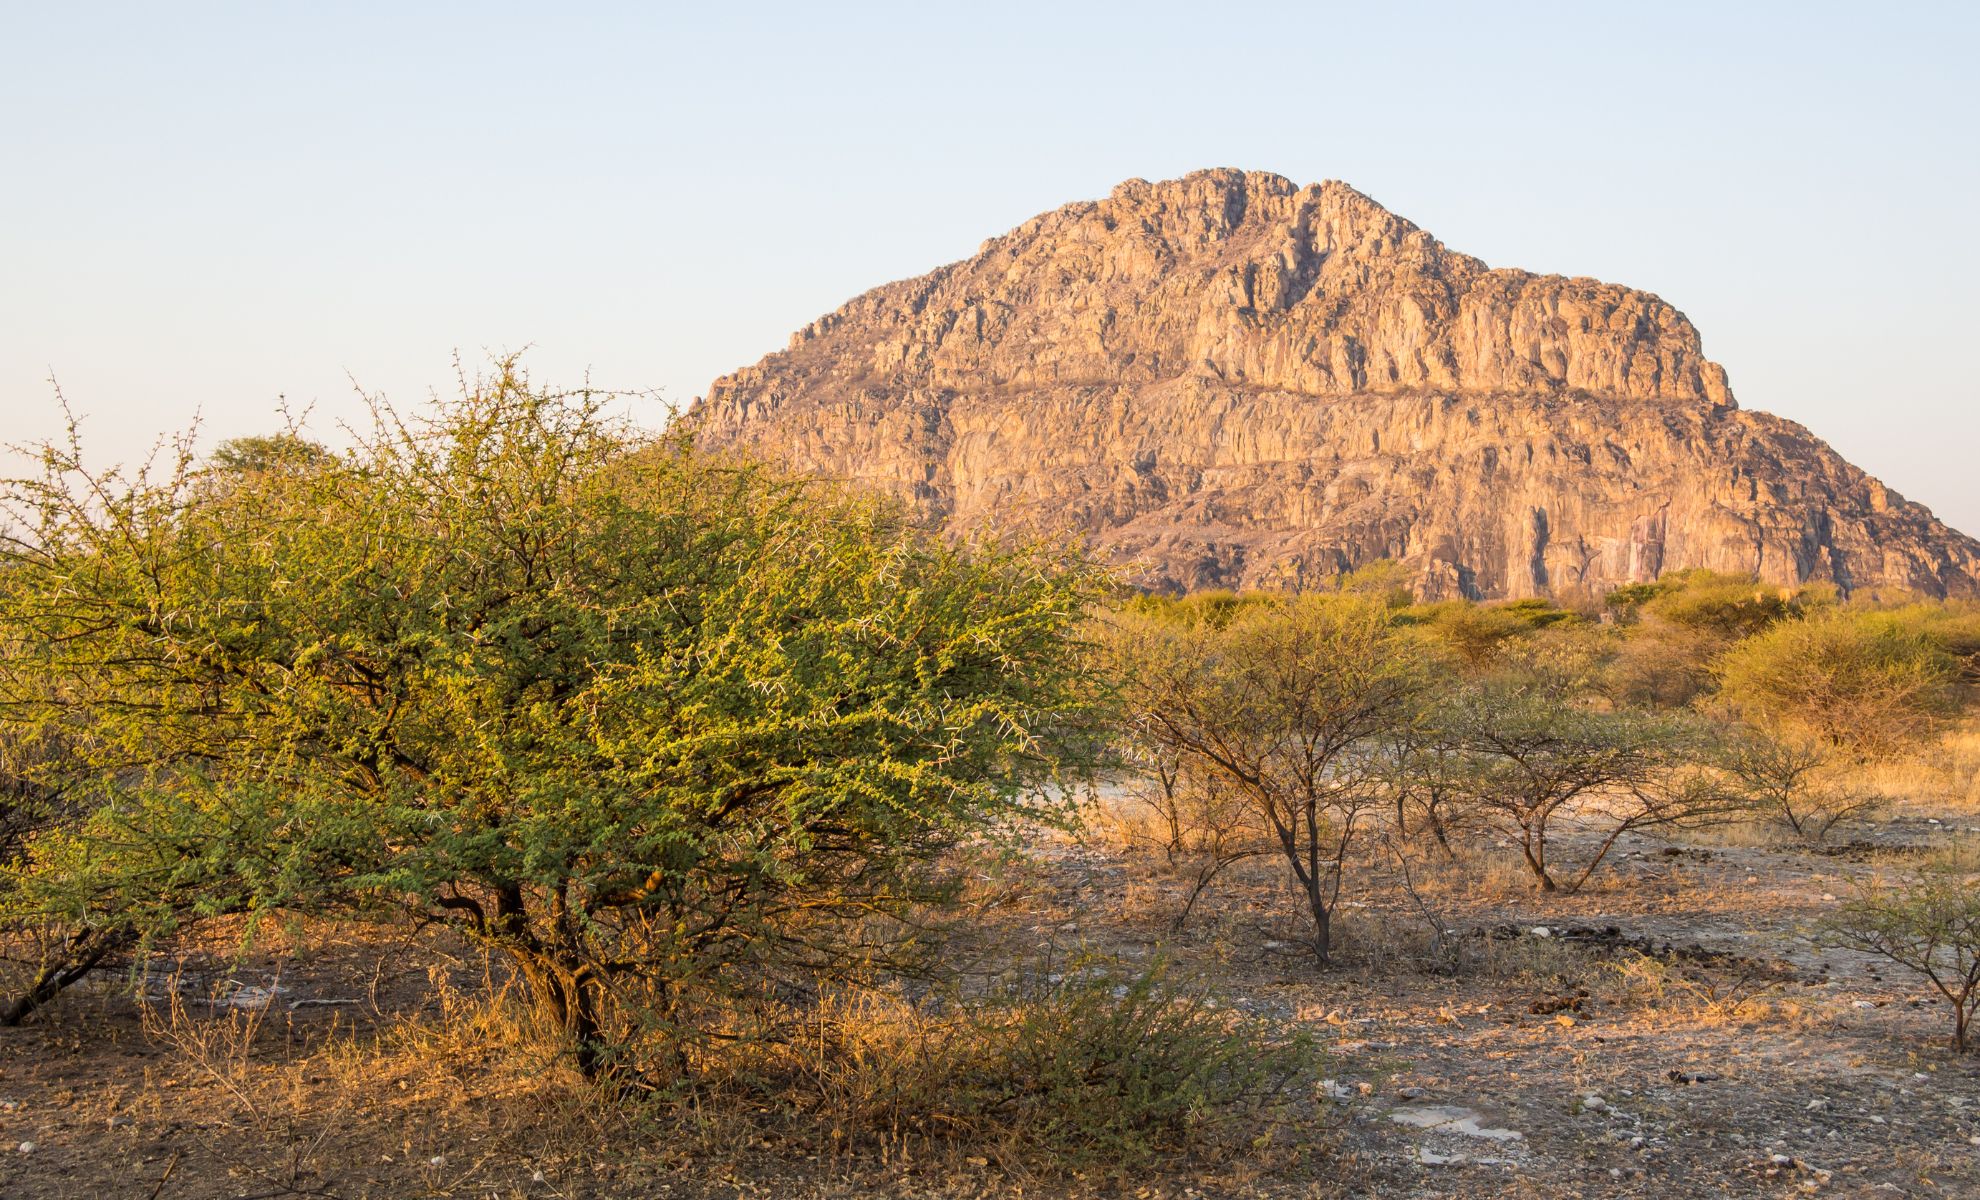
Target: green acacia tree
pixel 1868 682
pixel 1532 756
pixel 1930 926
pixel 647 722
pixel 1285 705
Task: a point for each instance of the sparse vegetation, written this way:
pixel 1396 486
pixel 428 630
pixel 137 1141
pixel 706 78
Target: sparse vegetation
pixel 700 807
pixel 1283 704
pixel 1931 927
pixel 1078 1064
pixel 1536 757
pixel 1796 782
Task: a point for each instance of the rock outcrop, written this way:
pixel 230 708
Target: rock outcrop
pixel 1228 380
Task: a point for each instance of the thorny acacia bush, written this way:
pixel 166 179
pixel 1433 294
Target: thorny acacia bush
pixel 1930 926
pixel 1286 703
pixel 1477 635
pixel 1533 756
pixel 651 724
pixel 1673 629
pixel 41 958
pixel 1868 682
pixel 1795 782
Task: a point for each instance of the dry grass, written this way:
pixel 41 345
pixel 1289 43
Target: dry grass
pixel 1055 1070
pixel 1956 856
pixel 1676 993
pixel 1746 835
pixel 1941 779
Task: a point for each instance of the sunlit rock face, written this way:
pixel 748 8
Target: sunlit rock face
pixel 1228 380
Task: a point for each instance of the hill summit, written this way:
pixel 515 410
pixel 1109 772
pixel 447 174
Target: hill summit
pixel 1231 380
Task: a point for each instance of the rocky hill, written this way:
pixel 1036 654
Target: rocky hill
pixel 1229 380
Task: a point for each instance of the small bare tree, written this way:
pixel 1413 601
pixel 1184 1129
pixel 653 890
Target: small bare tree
pixel 1283 705
pixel 1931 927
pixel 1792 781
pixel 1535 757
pixel 1194 818
pixel 1426 776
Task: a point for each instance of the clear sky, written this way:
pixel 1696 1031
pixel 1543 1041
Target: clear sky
pixel 204 206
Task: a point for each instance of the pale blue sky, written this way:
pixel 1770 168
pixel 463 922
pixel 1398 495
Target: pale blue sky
pixel 205 205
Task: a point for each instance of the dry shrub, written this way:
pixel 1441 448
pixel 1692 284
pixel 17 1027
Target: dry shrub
pixel 215 1037
pixel 1191 827
pixel 466 1089
pixel 1930 925
pixel 1481 871
pixel 1959 856
pixel 1799 783
pixel 1090 1068
pixel 1545 963
pixel 1423 942
pixel 1375 939
pixel 1744 835
pixel 258 1052
pixel 1690 991
pixel 1082 1067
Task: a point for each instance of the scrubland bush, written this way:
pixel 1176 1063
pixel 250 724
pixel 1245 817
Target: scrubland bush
pixel 1729 607
pixel 1428 781
pixel 1867 682
pixel 1675 627
pixel 1478 634
pixel 1284 704
pixel 1088 1063
pixel 1533 754
pixel 1930 926
pixel 1660 666
pixel 43 957
pixel 1794 782
pixel 1671 987
pixel 650 724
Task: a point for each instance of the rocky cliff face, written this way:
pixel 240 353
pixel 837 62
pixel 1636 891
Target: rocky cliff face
pixel 1228 380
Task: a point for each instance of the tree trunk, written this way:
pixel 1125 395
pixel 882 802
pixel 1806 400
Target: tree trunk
pixel 568 998
pixel 1443 838
pixel 1536 862
pixel 558 980
pixel 589 1044
pixel 86 948
pixel 1323 920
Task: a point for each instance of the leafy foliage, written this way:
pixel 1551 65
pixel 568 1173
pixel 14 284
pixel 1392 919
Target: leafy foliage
pixel 645 720
pixel 1865 681
pixel 1714 603
pixel 1479 634
pixel 1533 753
